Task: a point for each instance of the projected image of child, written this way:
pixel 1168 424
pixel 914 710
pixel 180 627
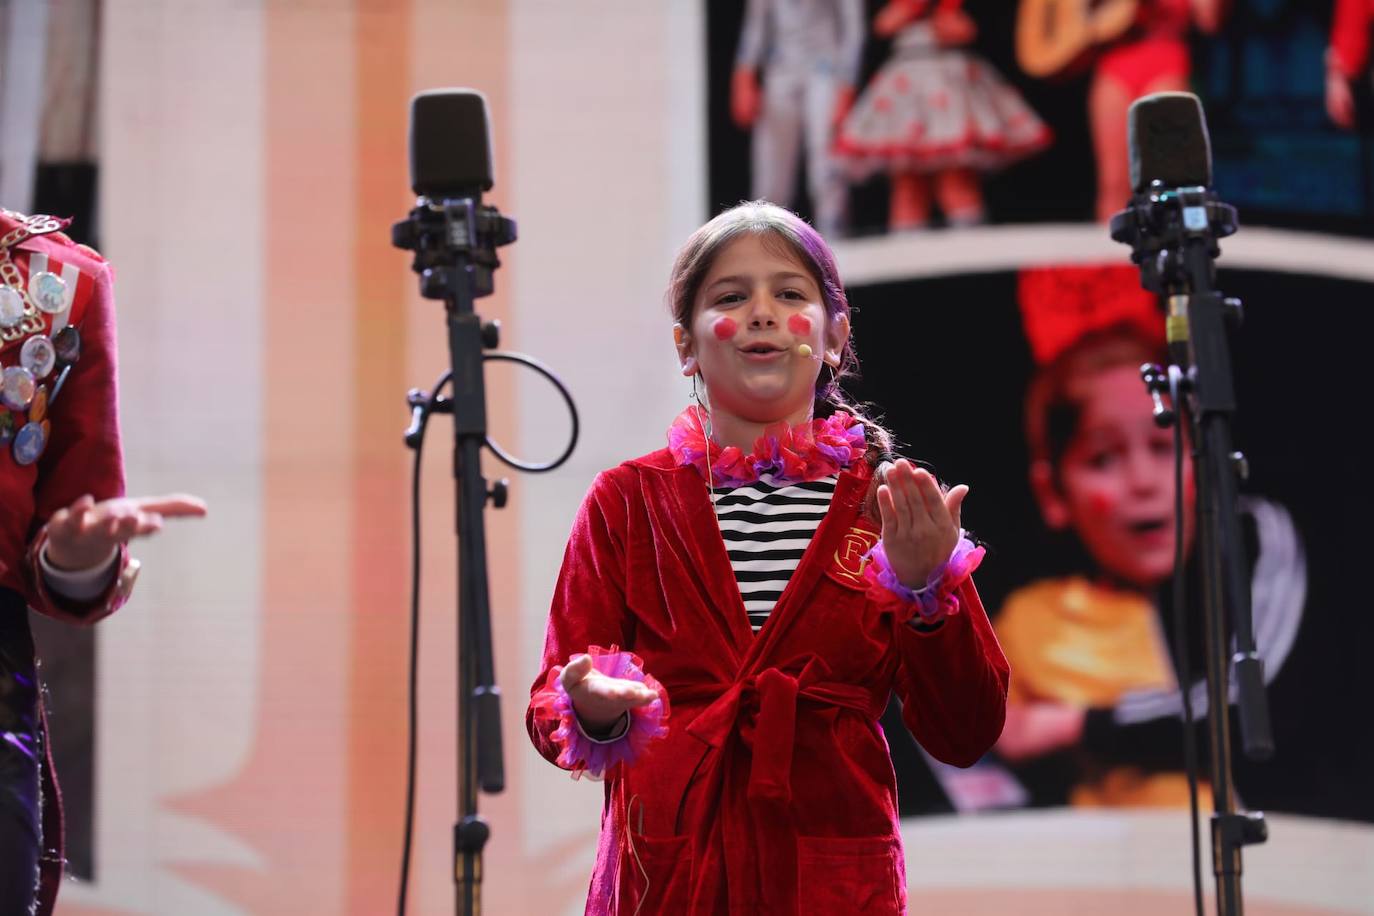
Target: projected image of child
pixel 1094 715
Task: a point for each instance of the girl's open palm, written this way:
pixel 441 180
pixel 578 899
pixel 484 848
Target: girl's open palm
pixel 920 523
pixel 599 700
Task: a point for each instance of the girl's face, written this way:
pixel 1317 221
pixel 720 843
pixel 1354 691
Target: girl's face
pixel 1115 482
pixel 757 304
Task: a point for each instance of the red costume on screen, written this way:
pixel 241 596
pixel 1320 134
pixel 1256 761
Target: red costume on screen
pixel 1156 48
pixel 1350 36
pixel 773 791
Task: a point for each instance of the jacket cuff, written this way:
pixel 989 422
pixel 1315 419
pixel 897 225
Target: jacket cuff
pixel 614 733
pixel 51 602
pixel 78 584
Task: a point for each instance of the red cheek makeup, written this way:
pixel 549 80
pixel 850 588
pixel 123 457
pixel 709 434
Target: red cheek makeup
pixel 799 325
pixel 724 327
pixel 1101 505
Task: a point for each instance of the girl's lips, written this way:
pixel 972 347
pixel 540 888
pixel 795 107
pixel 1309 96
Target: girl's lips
pixel 762 356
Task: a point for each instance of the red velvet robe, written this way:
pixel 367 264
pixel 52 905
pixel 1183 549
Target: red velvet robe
pixel 773 791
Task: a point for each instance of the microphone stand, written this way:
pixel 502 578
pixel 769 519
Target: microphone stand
pixel 1173 235
pixel 455 242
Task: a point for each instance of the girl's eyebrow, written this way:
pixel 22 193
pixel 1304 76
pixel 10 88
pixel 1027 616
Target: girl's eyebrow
pixel 742 280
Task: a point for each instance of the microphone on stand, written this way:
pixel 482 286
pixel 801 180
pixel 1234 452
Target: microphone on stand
pixel 454 237
pixel 1173 223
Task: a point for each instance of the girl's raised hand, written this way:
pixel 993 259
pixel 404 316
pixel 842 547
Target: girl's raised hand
pixel 920 523
pixel 85 533
pixel 599 700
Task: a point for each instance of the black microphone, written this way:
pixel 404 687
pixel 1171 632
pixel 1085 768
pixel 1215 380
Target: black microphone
pixel 1170 150
pixel 1172 199
pixel 450 144
pixel 1167 136
pixel 453 234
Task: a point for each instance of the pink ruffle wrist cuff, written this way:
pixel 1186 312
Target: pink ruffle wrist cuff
pixel 935 600
pixel 582 755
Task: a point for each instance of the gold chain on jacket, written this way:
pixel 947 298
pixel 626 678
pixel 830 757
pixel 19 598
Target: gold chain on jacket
pixel 30 226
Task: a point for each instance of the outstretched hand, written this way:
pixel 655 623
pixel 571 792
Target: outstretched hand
pixel 1041 727
pixel 1340 100
pixel 600 700
pixel 86 532
pixel 920 523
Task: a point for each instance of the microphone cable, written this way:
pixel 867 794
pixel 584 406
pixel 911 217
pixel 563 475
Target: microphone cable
pixel 1181 638
pixel 415 438
pixel 423 407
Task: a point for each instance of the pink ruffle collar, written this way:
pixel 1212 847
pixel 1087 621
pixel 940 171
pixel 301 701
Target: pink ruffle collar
pixel 795 454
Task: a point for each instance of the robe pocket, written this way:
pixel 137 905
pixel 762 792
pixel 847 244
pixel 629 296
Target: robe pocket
pixel 655 874
pixel 851 874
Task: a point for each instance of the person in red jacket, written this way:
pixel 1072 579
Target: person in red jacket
pixel 1347 57
pixel 772 577
pixel 1152 57
pixel 64 521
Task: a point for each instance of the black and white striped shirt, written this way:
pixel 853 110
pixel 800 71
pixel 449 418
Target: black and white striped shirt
pixel 767 526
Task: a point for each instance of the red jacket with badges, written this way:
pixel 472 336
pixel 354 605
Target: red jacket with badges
pixel 83 451
pixel 773 791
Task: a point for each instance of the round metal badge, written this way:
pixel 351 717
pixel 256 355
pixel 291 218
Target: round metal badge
pixel 29 443
pixel 38 355
pixel 16 387
pixel 49 291
pixel 67 343
pixel 11 307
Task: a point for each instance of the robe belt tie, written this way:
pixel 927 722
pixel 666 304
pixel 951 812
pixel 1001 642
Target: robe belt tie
pixel 763 707
pixel 760 866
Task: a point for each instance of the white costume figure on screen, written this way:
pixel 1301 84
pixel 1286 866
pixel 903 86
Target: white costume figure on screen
pixel 809 52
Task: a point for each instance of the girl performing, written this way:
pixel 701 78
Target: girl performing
pixel 771 576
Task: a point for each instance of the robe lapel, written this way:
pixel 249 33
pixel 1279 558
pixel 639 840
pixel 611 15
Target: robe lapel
pixel 715 576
